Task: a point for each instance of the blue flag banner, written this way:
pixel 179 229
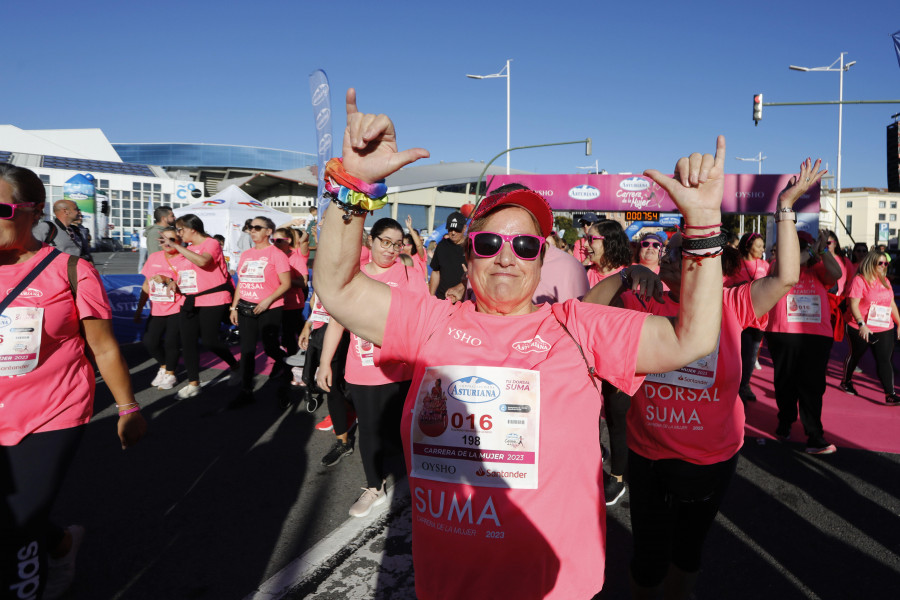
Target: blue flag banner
pixel 896 37
pixel 321 105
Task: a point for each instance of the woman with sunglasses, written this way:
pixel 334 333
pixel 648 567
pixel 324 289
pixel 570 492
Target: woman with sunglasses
pixel 649 250
pixel 415 248
pixel 264 276
pixel 376 389
pixel 799 335
pixel 160 287
pixel 503 400
pixel 608 250
pixel 859 252
pixel 287 239
pixel 686 427
pixel 752 267
pixel 47 386
pixel 873 324
pixel 204 281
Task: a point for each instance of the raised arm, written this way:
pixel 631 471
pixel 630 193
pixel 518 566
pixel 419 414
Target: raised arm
pixel 696 188
pixel 767 291
pixel 370 154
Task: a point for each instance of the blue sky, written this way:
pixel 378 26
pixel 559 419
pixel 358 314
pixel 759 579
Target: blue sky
pixel 647 81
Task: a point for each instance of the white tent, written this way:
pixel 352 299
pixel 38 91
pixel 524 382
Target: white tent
pixel 225 214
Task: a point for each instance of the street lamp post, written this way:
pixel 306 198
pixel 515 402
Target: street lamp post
pixel 494 76
pixel 830 68
pixel 757 159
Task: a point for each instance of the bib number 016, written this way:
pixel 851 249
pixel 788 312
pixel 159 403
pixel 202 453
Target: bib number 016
pixel 460 421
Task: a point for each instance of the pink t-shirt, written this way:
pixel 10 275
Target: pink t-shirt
pixel 843 282
pixel 694 413
pixel 163 302
pixel 874 304
pixel 364 366
pixel 258 274
pixel 58 390
pixel 499 434
pixel 805 308
pixel 365 255
pixel 193 279
pixel 750 270
pixel 562 278
pixel 595 276
pixel 294 298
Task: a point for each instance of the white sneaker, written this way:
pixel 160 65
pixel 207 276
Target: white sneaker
pixel 757 366
pixel 61 571
pixel 167 382
pixel 188 391
pixel 158 378
pixel 370 497
pixel 297 360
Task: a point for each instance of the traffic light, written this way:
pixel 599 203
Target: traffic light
pixel 104 207
pixel 757 108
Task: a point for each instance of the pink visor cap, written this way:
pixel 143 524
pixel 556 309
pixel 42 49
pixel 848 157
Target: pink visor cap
pixel 530 201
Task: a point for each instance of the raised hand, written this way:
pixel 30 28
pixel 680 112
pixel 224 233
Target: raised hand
pixel 370 145
pixel 697 186
pixel 799 184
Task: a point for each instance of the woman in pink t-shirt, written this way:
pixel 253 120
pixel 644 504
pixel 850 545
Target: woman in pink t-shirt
pixel 872 324
pixel 650 249
pixel 47 331
pixel 376 390
pixel 163 328
pixel 799 336
pixel 753 266
pixel 686 427
pixel 204 280
pixel 264 276
pixel 610 251
pixel 498 424
pixel 415 248
pixel 287 240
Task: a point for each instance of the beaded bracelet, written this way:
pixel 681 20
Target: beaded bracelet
pixel 349 210
pixel 335 170
pixel 121 406
pixel 122 413
pixel 698 258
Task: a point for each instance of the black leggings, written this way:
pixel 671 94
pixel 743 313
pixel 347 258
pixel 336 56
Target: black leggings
pixel 616 404
pixel 673 505
pixel 379 408
pixel 266 326
pixel 291 325
pixel 751 338
pixel 882 345
pixel 31 474
pixel 203 321
pixel 164 351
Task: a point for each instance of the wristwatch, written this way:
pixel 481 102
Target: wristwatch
pixel 785 214
pixel 859 323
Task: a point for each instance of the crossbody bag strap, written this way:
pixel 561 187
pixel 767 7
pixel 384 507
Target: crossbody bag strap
pixel 14 293
pixel 592 372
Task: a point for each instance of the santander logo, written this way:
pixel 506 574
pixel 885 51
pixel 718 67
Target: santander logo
pixel 533 345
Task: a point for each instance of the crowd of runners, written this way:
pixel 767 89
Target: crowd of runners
pixel 488 362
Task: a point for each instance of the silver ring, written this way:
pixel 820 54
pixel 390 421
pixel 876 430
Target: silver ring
pixel 807 180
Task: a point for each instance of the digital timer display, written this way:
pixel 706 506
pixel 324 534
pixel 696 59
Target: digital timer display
pixel 641 215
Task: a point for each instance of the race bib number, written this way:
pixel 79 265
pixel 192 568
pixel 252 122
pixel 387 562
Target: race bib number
pixel 253 271
pixel 804 308
pixel 20 339
pixel 160 292
pixel 477 425
pixel 698 375
pixel 879 316
pixel 366 351
pixel 187 282
pixel 319 314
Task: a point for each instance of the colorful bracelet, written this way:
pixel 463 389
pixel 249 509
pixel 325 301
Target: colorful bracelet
pixel 349 210
pixel 122 413
pixel 349 196
pixel 121 406
pixel 335 170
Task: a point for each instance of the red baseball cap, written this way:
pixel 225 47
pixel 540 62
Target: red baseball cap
pixel 527 199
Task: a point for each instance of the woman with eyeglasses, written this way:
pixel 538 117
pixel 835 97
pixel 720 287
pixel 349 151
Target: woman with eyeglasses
pixel 264 276
pixel 204 281
pixel 799 335
pixel 48 328
pixel 503 406
pixel 287 240
pixel 753 266
pixel 376 390
pixel 686 427
pixel 872 324
pixel 608 250
pixel 163 328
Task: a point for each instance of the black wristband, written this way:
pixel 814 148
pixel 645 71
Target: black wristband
pixel 704 243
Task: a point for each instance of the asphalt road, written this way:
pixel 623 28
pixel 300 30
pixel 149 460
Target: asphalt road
pixel 213 503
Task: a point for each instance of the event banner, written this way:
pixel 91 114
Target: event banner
pixel 630 193
pixel 321 105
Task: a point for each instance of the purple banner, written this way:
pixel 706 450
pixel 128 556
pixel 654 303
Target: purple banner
pixel 599 193
pixel 320 94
